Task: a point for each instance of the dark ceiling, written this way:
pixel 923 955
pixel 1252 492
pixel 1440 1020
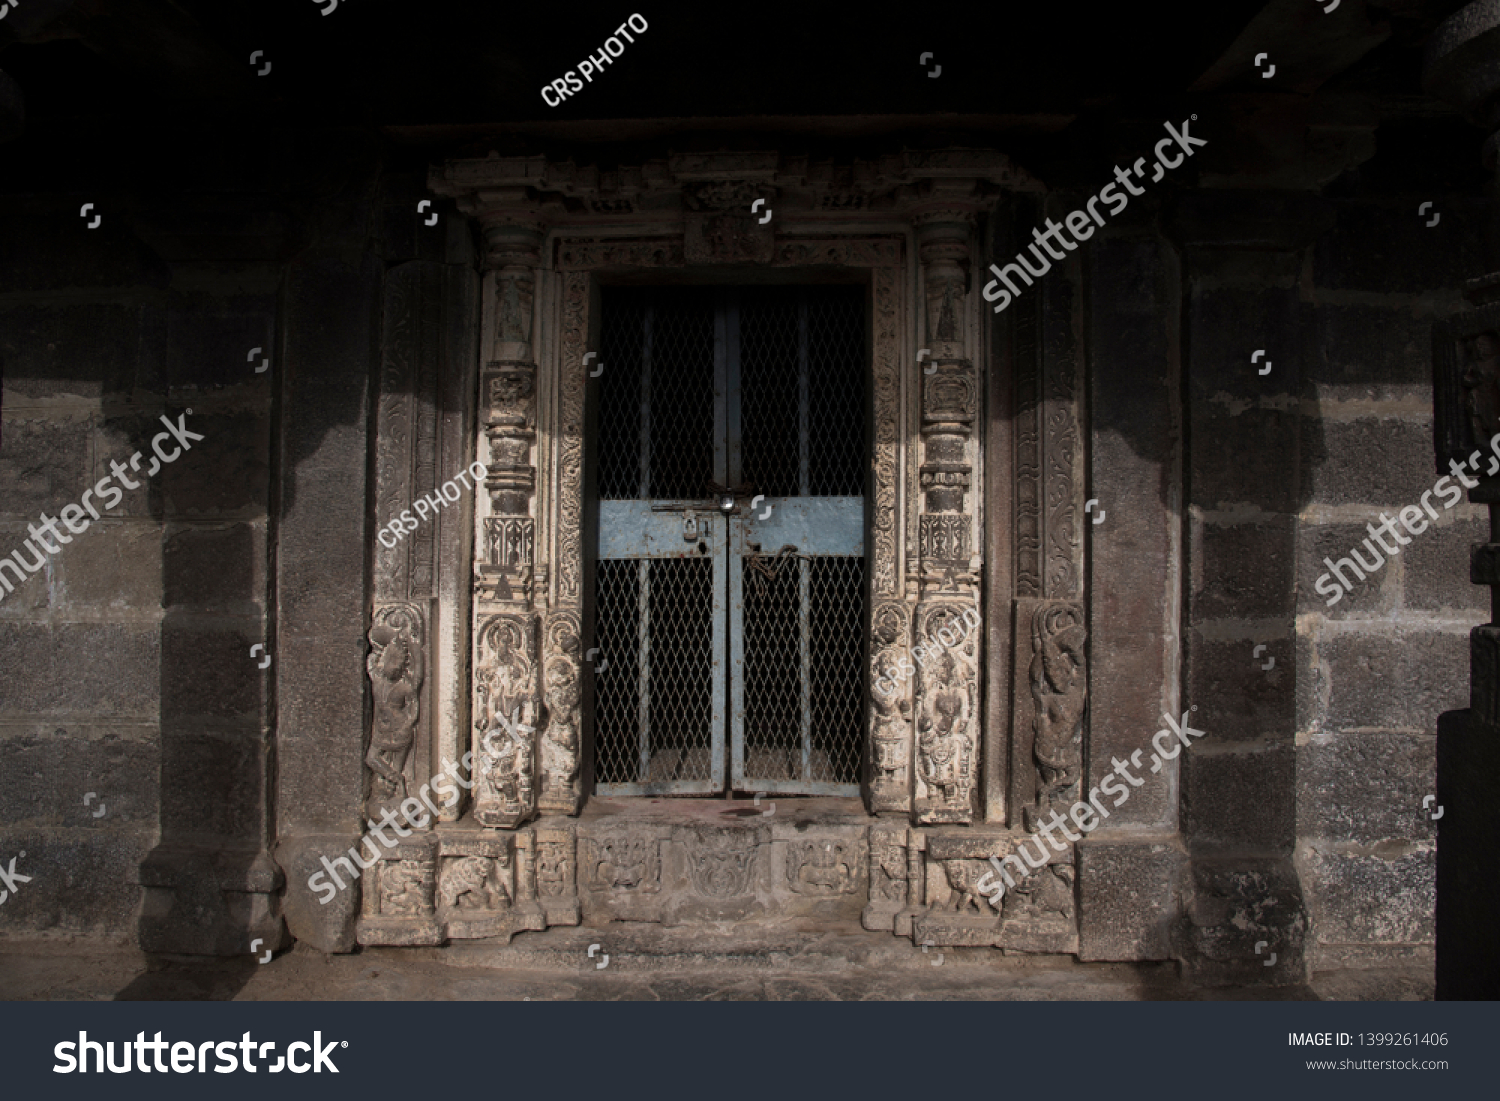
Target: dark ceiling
pixel 395 63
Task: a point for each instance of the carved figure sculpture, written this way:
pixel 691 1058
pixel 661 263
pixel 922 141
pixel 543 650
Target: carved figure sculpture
pixel 404 889
pixel 505 703
pixel 467 885
pixel 561 745
pixel 892 724
pixel 554 872
pixel 943 745
pixel 395 667
pixel 892 877
pixel 963 895
pixel 1059 688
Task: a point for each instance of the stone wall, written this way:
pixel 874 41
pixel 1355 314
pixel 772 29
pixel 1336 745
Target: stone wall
pixel 125 667
pixel 1376 668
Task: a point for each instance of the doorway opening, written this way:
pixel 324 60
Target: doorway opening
pixel 731 584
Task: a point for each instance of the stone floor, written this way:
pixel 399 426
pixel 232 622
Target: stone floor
pixel 644 963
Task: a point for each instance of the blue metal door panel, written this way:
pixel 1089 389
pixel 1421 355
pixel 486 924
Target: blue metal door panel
pixel 787 588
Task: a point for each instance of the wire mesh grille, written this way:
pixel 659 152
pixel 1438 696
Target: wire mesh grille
pixel 802 390
pixel 803 663
pixel 656 423
pixel 653 702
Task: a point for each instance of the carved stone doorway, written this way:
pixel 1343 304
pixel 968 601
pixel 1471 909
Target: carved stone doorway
pixel 730 589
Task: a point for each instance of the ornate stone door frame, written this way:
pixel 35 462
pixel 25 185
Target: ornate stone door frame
pixel 908 221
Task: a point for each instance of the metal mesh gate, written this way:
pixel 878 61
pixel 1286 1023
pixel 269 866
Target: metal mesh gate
pixel 733 636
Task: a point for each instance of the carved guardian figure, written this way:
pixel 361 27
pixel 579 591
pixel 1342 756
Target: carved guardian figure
pixel 395 667
pixel 1059 688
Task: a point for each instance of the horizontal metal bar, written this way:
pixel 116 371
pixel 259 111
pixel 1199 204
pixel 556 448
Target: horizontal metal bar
pixel 631 529
pixel 814 525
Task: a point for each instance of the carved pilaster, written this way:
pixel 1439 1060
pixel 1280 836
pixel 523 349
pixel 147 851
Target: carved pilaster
pixel 890 711
pixel 562 743
pixel 506 706
pixel 947 711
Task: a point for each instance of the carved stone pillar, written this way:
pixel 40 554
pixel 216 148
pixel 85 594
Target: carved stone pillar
pixel 947 625
pixel 539 713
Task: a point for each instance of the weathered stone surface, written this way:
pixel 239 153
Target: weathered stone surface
pixel 44 463
pixel 46 772
pixel 1241 700
pixel 1376 595
pixel 226 474
pixel 81 883
pixel 1369 351
pixel 1129 894
pixel 1241 570
pixel 1468 888
pixel 1241 799
pixel 316 693
pixel 208 672
pixel 1366 788
pixel 1244 459
pixel 118 435
pixel 215 567
pixel 1388 248
pixel 323 921
pixel 1372 897
pixel 1433 578
pixel 1220 318
pixel 213 782
pixel 1132 473
pixel 1393 681
pixel 109 671
pixel 113 565
pixel 210 902
pixel 1237 906
pixel 1384 461
pixel 29 599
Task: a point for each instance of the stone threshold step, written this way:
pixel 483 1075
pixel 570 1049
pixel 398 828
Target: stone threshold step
pixel 642 947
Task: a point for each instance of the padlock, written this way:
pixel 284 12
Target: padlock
pixel 690 529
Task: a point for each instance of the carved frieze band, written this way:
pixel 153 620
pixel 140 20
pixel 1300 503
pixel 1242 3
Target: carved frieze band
pixel 575 327
pixel 884 568
pixel 858 252
pixel 1049 547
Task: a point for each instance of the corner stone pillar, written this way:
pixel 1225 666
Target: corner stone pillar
pixel 1462 66
pixel 947 630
